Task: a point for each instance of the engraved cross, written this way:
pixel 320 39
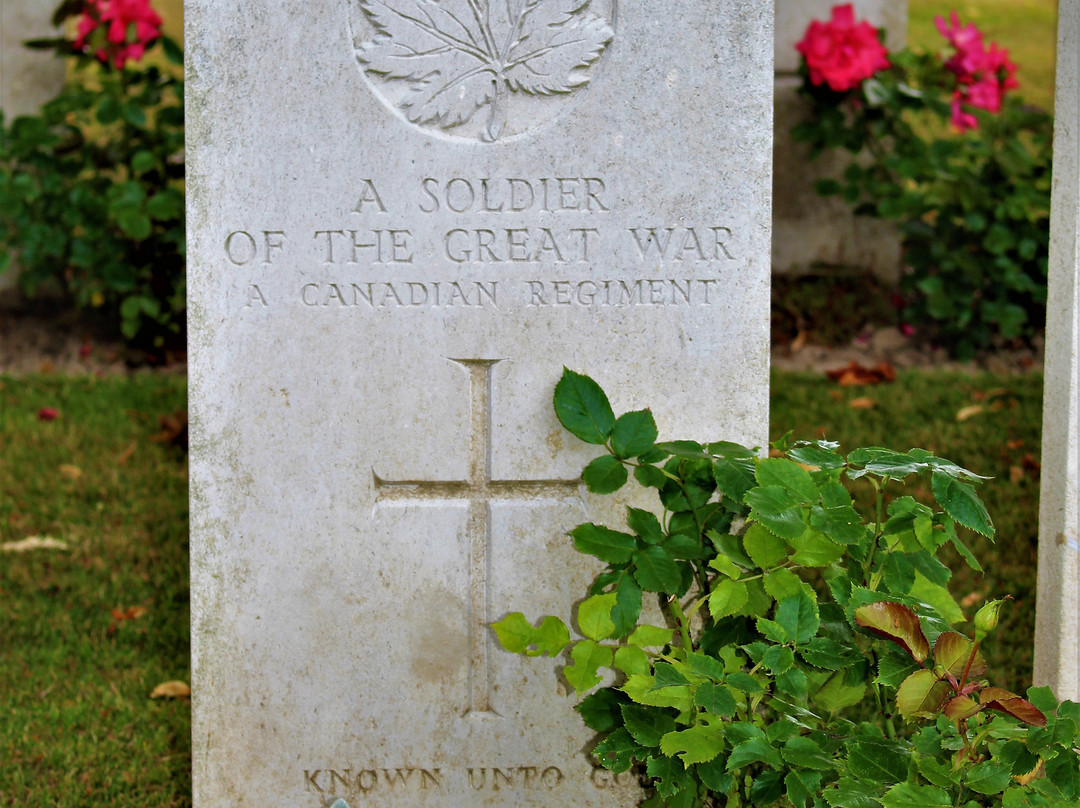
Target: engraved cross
pixel 478 490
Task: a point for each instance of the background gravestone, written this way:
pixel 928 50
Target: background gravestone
pixel 1057 627
pixel 809 230
pixel 404 218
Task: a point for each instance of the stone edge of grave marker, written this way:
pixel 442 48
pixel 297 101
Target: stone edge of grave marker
pixel 1057 622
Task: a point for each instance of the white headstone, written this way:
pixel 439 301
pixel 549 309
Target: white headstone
pixel 1057 623
pixel 809 230
pixel 405 216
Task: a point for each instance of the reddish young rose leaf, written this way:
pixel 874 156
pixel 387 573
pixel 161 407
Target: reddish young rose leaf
pixel 895 622
pixel 952 651
pixel 921 695
pixel 996 698
pixel 961 708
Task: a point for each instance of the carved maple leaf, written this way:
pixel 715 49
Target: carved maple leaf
pixel 459 56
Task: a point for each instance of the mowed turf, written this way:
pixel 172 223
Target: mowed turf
pixel 90 631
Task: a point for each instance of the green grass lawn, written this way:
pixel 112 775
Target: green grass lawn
pixel 1026 28
pixel 77 724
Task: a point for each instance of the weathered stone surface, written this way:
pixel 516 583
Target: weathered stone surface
pixel 809 230
pixel 380 306
pixel 1057 625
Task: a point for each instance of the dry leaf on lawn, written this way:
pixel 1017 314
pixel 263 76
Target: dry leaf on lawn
pixel 1016 474
pixel 171 690
pixel 971 599
pixel 856 374
pixel 70 471
pixel 130 613
pixel 862 403
pixel 125 456
pixel 33 543
pixel 968 412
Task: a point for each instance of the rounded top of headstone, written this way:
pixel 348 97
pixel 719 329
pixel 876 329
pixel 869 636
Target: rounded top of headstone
pixel 479 70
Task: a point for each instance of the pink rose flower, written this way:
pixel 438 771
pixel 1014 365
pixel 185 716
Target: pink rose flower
pixel 983 75
pixel 842 53
pixel 118 31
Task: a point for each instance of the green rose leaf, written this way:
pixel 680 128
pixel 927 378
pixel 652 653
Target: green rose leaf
pixel 755 750
pixel 959 500
pixel 698 744
pixel 908 795
pixel 802 751
pixel 765 549
pixel 588 659
pixel 716 699
pixel 632 660
pixel 604 543
pixel 922 695
pixel 782 583
pixel 786 474
pixel 656 570
pixel 645 525
pixel 618 751
pixel 602 711
pixel 594 616
pixel 633 434
pixel 727 598
pixel 988 778
pixel 627 608
pixel 647 725
pixel 516 634
pixel 583 408
pixel 802 787
pixel 651 636
pixel 777 509
pixel 877 761
pixel 798 616
pixel 605 475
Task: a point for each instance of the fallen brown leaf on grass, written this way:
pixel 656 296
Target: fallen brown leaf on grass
pixel 1016 474
pixel 125 455
pixel 968 412
pixel 798 343
pixel 71 472
pixel 856 374
pixel 171 690
pixel 130 613
pixel 862 403
pixel 33 543
pixel 1015 444
pixel 971 599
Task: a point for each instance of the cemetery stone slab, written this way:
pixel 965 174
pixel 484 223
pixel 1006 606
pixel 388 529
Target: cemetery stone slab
pixel 1057 626
pixel 404 218
pixel 809 230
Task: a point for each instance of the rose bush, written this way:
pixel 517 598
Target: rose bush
pixel 950 153
pixel 92 187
